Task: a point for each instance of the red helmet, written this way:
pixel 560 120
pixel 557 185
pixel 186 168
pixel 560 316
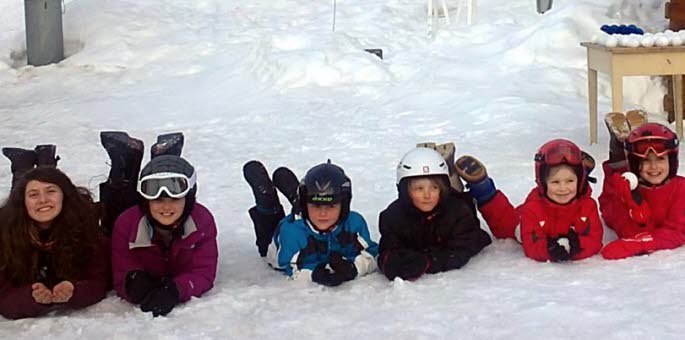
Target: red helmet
pixel 652 138
pixel 561 151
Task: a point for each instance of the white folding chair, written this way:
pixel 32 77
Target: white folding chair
pixel 434 11
pixel 470 10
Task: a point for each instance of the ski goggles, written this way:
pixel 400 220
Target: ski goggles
pixel 562 154
pixel 659 146
pixel 173 185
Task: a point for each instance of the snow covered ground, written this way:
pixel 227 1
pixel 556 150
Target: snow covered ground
pixel 269 80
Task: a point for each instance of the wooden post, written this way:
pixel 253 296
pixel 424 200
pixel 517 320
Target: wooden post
pixel 675 12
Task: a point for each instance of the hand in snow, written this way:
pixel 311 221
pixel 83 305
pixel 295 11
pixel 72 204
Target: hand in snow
pixel 139 284
pixel 405 263
pixel 346 269
pixel 323 276
pixel 62 292
pixel 41 293
pixel 161 300
pixel 642 243
pixel 559 249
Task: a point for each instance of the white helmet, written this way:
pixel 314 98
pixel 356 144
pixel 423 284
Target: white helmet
pixel 421 162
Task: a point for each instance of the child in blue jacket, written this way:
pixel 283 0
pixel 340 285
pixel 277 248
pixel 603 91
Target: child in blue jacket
pixel 321 240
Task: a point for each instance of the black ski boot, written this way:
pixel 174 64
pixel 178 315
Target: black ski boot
pixel 263 188
pixel 125 152
pixel 265 225
pixel 286 182
pixel 22 160
pixel 45 156
pixel 268 210
pixel 118 193
pixel 168 144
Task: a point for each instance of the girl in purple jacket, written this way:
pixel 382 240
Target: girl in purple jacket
pixel 53 254
pixel 164 249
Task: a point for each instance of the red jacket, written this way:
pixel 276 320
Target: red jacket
pixel 538 218
pixel 16 301
pixel 666 204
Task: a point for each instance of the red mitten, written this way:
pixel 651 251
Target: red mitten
pixel 622 186
pixel 641 214
pixel 627 247
pixel 638 211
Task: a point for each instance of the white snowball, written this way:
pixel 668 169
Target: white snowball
pixel 623 40
pixel 662 41
pixel 632 179
pixel 676 40
pixel 611 42
pixel 647 41
pixel 563 241
pixel 633 42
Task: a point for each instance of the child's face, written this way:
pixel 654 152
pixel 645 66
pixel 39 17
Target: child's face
pixel 654 169
pixel 323 216
pixel 43 201
pixel 424 194
pixel 562 184
pixel 167 210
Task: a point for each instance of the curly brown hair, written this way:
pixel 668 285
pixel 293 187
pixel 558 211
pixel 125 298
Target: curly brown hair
pixel 75 232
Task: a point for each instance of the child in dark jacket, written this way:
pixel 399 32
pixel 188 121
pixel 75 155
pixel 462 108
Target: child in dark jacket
pixel 321 240
pixel 53 254
pixel 647 214
pixel 431 227
pixel 558 220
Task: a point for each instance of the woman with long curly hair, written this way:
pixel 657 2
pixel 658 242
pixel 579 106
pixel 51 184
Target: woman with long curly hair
pixel 53 254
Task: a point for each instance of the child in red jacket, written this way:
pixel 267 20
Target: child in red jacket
pixel 558 220
pixel 647 214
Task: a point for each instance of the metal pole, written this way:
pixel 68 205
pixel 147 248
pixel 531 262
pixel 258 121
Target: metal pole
pixel 544 5
pixel 44 37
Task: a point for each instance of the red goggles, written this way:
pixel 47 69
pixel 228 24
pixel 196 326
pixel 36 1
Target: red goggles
pixel 659 146
pixel 562 154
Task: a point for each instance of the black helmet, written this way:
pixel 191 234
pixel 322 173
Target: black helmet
pixel 176 177
pixel 326 184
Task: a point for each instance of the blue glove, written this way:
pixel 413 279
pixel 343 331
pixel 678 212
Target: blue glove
pixel 482 191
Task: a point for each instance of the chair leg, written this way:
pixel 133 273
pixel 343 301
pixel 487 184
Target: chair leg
pixel 444 9
pixel 430 16
pixel 472 11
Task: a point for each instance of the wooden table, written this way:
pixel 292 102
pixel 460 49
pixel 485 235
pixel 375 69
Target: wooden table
pixel 619 62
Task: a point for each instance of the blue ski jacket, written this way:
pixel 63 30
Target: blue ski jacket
pixel 298 248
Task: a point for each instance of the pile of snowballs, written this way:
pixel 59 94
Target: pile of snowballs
pixel 633 36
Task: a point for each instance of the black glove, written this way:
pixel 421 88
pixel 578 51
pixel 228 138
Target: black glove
pixel 161 300
pixel 323 276
pixel 574 243
pixel 345 269
pixel 404 263
pixel 139 284
pixel 556 251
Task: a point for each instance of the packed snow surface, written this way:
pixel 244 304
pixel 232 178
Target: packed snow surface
pixel 270 80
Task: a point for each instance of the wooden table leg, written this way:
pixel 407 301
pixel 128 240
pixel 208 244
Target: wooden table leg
pixel 678 104
pixel 592 99
pixel 616 92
